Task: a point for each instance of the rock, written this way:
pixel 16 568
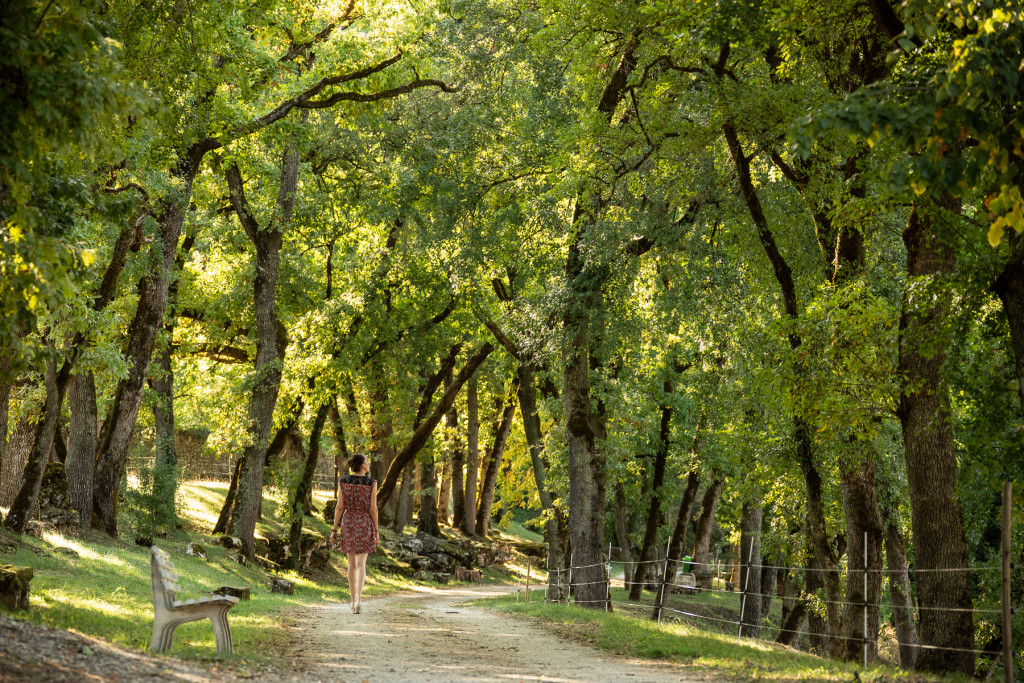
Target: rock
pixel 470 575
pixel 144 541
pixel 14 586
pixel 36 528
pixel 54 502
pixel 267 564
pixel 240 593
pixel 442 577
pixel 240 558
pixel 230 542
pixel 41 552
pixel 319 558
pixel 277 550
pixel 329 508
pixel 195 550
pixel 530 548
pixel 67 552
pixel 282 586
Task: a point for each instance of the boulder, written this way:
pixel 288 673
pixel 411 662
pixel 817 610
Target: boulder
pixel 36 528
pixel 329 508
pixel 14 586
pixel 54 502
pixel 470 575
pixel 230 542
pixel 243 593
pixel 269 565
pixel 67 552
pixel 282 586
pixel 240 558
pixel 195 550
pixel 319 558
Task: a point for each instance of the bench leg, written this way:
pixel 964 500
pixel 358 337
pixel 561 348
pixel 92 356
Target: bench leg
pixel 221 631
pixel 163 636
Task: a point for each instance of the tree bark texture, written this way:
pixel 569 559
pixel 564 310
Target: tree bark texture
pixel 305 486
pixel 19 445
pixel 705 523
pixel 940 547
pixel 899 594
pixel 6 382
pixel 769 580
pixel 428 498
pixel 82 445
pixel 472 458
pixel 622 533
pixel 403 515
pixel 271 341
pixel 483 515
pixel 457 467
pixel 860 506
pixel 112 452
pixel 750 568
pixel 1009 285
pixel 24 505
pixel 444 493
pixel 657 480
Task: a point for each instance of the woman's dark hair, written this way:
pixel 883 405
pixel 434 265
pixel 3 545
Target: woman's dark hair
pixel 356 462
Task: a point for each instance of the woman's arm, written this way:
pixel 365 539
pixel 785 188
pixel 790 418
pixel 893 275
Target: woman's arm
pixel 373 506
pixel 338 509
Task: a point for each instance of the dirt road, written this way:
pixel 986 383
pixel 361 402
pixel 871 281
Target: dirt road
pixel 431 636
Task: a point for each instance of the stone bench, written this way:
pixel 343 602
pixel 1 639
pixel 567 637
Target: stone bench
pixel 14 589
pixel 686 583
pixel 169 612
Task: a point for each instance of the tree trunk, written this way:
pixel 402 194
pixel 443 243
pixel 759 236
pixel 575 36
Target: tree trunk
pixel 341 455
pixel 15 456
pixel 221 527
pixel 6 382
pixel 705 523
pixel 622 534
pixel 899 593
pixel 82 445
pixel 472 458
pixel 24 505
pixel 750 568
pixel 426 428
pixel 271 341
pixel 940 547
pixel 403 516
pixel 428 498
pixel 305 487
pixel 1009 286
pixel 483 515
pixel 816 528
pixel 527 393
pixel 769 579
pixel 675 546
pixel 791 624
pixel 457 468
pixel 860 505
pixel 112 453
pixel 445 492
pixel 657 480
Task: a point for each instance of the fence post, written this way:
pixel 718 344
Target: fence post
pixel 746 580
pixel 864 644
pixel 1007 566
pixel 568 589
pixel 529 562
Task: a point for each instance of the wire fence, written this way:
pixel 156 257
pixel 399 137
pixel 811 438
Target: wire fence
pixel 569 586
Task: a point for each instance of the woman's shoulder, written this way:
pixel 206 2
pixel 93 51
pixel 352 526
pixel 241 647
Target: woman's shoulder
pixel 357 479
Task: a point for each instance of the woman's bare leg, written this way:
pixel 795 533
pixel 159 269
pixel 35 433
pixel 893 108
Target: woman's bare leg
pixel 355 588
pixel 360 576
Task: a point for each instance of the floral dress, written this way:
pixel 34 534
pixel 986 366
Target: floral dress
pixel 356 533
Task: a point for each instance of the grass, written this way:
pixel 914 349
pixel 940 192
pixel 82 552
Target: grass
pixel 631 632
pixel 105 591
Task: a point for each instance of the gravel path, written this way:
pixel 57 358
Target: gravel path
pixel 412 636
pixel 430 636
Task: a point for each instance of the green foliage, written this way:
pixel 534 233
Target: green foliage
pixel 148 504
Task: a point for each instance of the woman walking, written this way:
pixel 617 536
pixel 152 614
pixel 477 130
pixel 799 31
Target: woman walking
pixel 356 516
